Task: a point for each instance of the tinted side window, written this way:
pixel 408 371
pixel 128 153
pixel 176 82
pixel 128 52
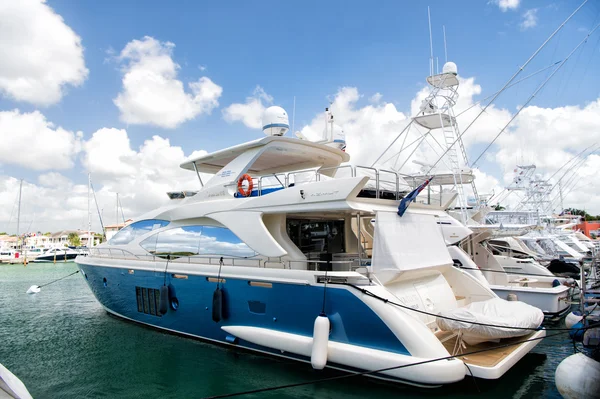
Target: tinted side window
pixel 129 233
pixel 197 240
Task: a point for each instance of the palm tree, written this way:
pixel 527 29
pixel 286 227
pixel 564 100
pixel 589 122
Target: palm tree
pixel 74 239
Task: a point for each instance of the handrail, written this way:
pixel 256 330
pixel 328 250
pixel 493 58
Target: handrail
pixel 275 175
pixel 284 179
pixel 376 177
pixel 397 181
pixel 196 259
pixel 110 253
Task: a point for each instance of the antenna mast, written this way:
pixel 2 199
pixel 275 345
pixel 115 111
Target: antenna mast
pixel 90 242
pixel 445 49
pixel 430 44
pixel 19 211
pixel 294 117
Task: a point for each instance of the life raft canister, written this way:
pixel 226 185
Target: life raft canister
pixel 240 185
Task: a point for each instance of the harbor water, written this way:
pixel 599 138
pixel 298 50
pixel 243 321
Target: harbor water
pixel 62 344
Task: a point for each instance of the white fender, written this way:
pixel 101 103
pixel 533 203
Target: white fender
pixel 578 376
pixel 572 319
pixel 34 289
pixel 318 356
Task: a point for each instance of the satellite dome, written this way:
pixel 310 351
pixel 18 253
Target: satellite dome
pixel 275 121
pixel 450 67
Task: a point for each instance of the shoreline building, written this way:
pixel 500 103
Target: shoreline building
pixel 590 228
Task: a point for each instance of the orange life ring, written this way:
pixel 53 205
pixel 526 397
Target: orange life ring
pixel 240 186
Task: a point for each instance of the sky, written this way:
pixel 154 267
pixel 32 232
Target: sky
pixel 128 90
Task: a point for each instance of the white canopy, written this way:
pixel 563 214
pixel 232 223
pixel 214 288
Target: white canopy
pixel 402 244
pixel 272 154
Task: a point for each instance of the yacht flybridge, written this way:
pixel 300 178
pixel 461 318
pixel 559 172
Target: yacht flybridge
pixel 288 252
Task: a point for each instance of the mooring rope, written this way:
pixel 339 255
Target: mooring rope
pixel 369 293
pixel 62 278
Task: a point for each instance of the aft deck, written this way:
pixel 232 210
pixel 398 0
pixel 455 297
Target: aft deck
pixel 490 357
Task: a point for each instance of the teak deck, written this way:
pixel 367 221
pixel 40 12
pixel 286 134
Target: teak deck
pixel 484 359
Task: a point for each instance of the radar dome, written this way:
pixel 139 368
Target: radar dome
pixel 450 67
pixel 275 121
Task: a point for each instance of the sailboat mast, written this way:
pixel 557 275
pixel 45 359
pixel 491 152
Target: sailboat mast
pixel 117 219
pixel 19 211
pixel 90 242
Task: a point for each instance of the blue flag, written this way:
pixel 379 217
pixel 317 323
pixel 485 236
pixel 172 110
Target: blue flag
pixel 411 197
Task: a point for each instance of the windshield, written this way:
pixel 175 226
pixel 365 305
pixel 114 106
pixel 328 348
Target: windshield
pixel 534 246
pixel 137 229
pixel 548 246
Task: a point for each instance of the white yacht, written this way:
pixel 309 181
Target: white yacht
pixel 7 254
pixel 300 271
pixel 516 258
pixel 528 281
pixel 58 255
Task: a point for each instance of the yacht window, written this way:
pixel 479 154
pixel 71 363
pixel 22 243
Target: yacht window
pixel 197 240
pixel 129 233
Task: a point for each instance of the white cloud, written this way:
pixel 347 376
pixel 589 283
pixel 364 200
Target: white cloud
pixel 141 176
pixel 368 130
pixel 108 154
pixel 376 98
pixel 40 53
pixel 53 179
pixel 43 207
pixel 30 141
pixel 530 19
pixel 506 5
pixel 560 132
pixel 249 113
pixel 151 93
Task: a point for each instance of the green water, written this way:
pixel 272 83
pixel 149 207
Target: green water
pixel 62 344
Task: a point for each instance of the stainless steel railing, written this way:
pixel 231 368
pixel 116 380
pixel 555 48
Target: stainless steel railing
pixel 122 254
pixel 379 179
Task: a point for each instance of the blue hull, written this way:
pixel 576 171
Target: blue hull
pixel 285 307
